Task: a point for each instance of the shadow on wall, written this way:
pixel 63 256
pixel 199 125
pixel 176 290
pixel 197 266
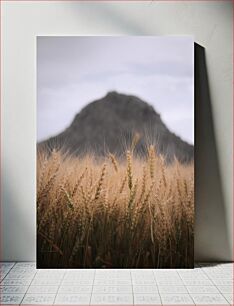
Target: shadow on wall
pixel 211 231
pixel 99 12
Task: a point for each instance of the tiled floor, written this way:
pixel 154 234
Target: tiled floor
pixel 207 284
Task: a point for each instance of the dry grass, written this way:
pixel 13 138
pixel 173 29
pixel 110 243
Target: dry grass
pixel 114 213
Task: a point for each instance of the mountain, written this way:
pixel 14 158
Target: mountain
pixel 109 125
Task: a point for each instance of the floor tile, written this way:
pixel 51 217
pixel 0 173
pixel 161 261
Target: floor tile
pixel 78 276
pixel 70 280
pixel 50 276
pixel 78 282
pixel 188 273
pixel 111 276
pixel 143 279
pixel 221 275
pixel 19 276
pixel 6 299
pixel 176 299
pixel 225 289
pixel 112 289
pixel 101 279
pixel 26 264
pixel 43 289
pixel 38 299
pixel 145 289
pixel 51 271
pixel 165 271
pixel 202 289
pixel 45 282
pixel 4 270
pixel 196 277
pixel 197 282
pixel 163 289
pixel 111 299
pixel 147 299
pixel 112 282
pixel 65 289
pixel 143 282
pixel 168 277
pixel 3 275
pixel 8 264
pixel 209 299
pixel 113 272
pixel 80 271
pixel 13 289
pixel 16 282
pixel 72 299
pixel 169 282
pixel 222 282
pixel 229 297
pixel 22 270
pixel 150 274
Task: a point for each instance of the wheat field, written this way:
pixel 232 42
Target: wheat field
pixel 114 213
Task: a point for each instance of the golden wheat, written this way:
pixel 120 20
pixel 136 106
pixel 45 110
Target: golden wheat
pixel 123 213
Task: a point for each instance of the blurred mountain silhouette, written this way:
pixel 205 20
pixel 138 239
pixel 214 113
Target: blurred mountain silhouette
pixel 110 124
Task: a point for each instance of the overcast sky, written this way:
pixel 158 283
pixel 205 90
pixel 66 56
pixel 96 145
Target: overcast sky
pixel 73 71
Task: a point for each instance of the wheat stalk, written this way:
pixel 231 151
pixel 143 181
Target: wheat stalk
pixel 129 169
pixel 100 183
pixel 114 162
pixel 151 154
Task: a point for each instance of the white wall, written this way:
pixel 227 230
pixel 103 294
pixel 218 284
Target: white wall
pixel 211 24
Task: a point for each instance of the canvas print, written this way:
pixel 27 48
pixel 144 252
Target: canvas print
pixel 115 152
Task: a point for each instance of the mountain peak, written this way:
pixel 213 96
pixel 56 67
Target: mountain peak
pixel 110 123
pixel 113 93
